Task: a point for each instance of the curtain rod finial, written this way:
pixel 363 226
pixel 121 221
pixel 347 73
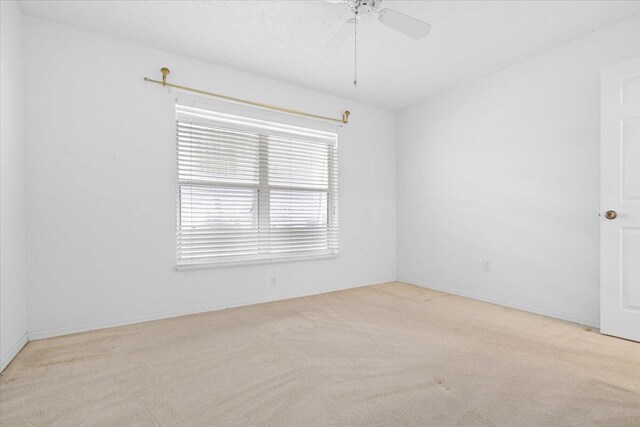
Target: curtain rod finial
pixel 165 72
pixel 345 116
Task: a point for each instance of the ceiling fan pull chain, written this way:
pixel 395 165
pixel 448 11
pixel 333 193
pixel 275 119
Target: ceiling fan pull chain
pixel 355 50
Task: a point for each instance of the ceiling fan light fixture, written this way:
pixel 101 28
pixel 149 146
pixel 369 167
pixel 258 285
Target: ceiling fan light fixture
pixel 405 24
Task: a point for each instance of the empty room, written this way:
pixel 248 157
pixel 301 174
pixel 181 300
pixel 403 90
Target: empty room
pixel 319 213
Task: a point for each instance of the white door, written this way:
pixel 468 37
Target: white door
pixel 620 201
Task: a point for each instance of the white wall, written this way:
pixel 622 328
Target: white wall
pixel 13 301
pixel 506 169
pixel 101 188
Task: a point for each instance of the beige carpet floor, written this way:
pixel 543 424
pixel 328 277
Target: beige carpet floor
pixel 388 355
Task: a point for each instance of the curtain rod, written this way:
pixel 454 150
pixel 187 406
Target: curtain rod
pixel 165 72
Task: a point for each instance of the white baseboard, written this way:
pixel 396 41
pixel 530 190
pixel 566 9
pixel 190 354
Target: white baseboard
pixel 50 333
pixel 595 323
pixel 13 352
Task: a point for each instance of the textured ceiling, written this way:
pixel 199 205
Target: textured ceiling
pixel 286 39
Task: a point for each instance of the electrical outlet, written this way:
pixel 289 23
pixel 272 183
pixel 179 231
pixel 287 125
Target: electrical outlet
pixel 272 281
pixel 486 266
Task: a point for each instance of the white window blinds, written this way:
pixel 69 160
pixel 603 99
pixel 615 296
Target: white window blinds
pixel 252 190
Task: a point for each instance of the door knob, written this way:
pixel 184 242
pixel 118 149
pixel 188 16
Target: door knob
pixel 611 214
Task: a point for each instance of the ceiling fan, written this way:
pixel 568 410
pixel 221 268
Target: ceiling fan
pixel 363 10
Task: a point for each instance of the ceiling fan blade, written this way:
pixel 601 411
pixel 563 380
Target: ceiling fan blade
pixel 341 36
pixel 406 24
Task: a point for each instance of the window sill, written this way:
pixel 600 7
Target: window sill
pixel 219 264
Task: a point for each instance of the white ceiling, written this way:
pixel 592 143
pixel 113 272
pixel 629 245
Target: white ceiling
pixel 286 39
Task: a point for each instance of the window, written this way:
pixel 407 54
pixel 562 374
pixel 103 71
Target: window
pixel 252 190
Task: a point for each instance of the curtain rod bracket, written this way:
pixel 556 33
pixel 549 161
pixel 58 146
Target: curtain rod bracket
pixel 165 72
